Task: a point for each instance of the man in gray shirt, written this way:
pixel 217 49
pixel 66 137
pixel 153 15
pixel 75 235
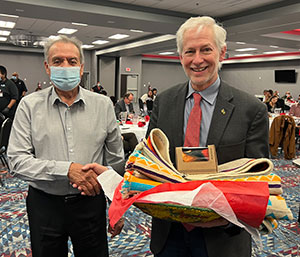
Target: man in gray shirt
pixel 56 132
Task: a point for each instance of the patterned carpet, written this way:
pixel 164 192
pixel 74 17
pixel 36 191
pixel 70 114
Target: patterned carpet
pixel 135 237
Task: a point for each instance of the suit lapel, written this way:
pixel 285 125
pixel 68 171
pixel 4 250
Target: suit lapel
pixel 178 114
pixel 221 115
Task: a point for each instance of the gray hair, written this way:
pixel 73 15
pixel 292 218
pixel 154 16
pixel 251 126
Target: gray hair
pixel 200 22
pixel 64 39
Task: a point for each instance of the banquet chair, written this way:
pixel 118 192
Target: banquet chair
pixel 4 136
pixel 149 104
pixel 282 134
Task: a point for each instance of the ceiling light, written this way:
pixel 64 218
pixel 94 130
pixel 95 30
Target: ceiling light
pixel 118 36
pixel 240 43
pixel 274 46
pixel 240 55
pixel 100 42
pixel 136 30
pixel 3 38
pixel 79 24
pixel 4 33
pixel 8 15
pixel 67 31
pixel 7 24
pixel 53 37
pixel 274 52
pixel 166 53
pixel 246 49
pixel 87 46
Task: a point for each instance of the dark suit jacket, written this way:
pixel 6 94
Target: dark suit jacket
pixel 239 128
pixel 120 107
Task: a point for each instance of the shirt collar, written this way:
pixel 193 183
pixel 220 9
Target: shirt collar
pixel 209 94
pixel 55 98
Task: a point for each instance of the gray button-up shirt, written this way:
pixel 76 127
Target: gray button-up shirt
pixel 48 135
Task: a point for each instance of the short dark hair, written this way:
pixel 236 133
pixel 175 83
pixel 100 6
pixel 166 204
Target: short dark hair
pixel 3 70
pixel 127 95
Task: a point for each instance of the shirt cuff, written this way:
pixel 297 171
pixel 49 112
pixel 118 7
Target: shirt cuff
pixel 109 180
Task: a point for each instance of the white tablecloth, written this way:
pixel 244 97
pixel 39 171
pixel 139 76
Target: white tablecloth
pixel 140 132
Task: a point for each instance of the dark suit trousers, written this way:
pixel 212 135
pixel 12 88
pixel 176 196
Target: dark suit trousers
pixel 181 243
pixel 53 219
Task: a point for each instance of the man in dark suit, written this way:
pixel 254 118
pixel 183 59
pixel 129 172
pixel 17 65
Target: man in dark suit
pixel 235 122
pixel 125 105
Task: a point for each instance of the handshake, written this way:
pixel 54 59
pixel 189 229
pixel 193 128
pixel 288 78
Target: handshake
pixel 84 178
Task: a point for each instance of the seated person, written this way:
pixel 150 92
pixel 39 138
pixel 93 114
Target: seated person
pixel 272 104
pixel 295 108
pixel 147 96
pixel 125 105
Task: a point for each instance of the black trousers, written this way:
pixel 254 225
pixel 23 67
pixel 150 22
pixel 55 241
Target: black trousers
pixel 54 219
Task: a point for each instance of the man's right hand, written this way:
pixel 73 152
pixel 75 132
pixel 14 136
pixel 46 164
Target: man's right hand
pixel 86 180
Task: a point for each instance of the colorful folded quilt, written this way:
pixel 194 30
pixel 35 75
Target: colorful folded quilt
pixel 273 180
pixel 156 163
pixel 153 169
pixel 133 185
pixel 277 208
pixel 268 225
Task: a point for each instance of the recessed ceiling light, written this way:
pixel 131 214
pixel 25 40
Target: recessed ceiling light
pixel 67 31
pixel 9 15
pixel 79 24
pixel 240 55
pixel 53 37
pixel 111 22
pixel 3 38
pixel 100 42
pixel 4 33
pixel 7 24
pixel 246 49
pixel 87 46
pixel 166 53
pixel 274 46
pixel 136 30
pixel 118 36
pixel 240 43
pixel 274 52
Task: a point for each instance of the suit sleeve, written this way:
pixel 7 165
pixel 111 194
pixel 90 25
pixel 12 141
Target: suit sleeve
pixel 257 141
pixel 117 110
pixel 154 116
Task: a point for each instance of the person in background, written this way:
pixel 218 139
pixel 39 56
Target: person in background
pixel 268 95
pixel 154 91
pixel 288 99
pixel 22 89
pixel 8 94
pixel 295 108
pixel 272 104
pixel 265 93
pixel 125 105
pixel 232 120
pixel 55 134
pixel 38 87
pixel 148 96
pixel 97 88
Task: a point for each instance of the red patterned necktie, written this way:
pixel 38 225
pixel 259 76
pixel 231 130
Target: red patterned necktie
pixel 192 133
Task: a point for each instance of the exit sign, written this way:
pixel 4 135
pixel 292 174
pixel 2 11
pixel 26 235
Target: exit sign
pixel 128 69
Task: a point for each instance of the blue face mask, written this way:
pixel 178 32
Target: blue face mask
pixel 14 77
pixel 65 78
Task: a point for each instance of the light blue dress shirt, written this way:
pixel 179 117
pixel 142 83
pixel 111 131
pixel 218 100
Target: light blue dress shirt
pixel 208 102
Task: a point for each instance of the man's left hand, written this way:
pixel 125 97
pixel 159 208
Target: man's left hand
pixel 116 230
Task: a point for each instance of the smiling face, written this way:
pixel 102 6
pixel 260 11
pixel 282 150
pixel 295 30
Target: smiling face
pixel 200 57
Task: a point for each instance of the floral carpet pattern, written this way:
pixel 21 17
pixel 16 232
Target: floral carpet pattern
pixel 135 237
